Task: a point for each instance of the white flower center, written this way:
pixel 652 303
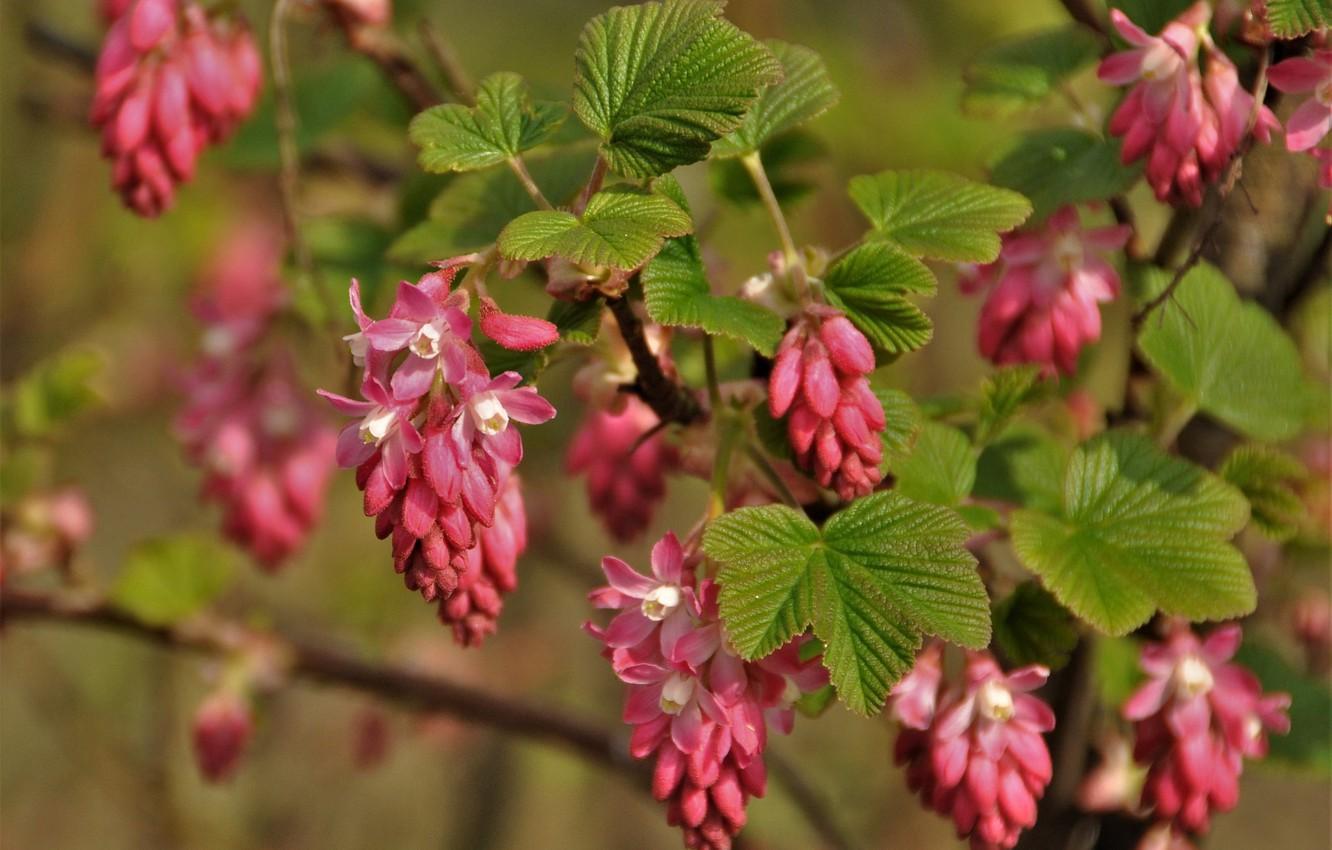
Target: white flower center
pixel 1193 677
pixel 995 701
pixel 659 604
pixel 218 341
pixel 1160 61
pixel 359 347
pixel 281 420
pixel 426 342
pixel 1067 251
pixel 377 424
pixel 676 693
pixel 488 413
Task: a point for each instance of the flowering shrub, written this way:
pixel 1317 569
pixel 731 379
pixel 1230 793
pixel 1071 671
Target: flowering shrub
pixel 1147 456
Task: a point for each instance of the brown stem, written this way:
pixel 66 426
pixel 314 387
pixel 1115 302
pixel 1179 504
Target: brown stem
pixel 44 39
pixel 441 51
pixel 317 661
pixel 671 401
pixel 288 150
pixel 1082 12
pixel 385 51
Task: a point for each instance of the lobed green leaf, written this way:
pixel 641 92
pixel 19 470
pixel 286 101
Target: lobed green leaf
pixel 1027 69
pixel 1266 476
pixel 621 228
pixel 940 468
pixel 1294 18
pixel 870 285
pixel 804 92
pixel 1064 166
pixel 504 123
pixel 1031 627
pixel 167 579
pixel 939 215
pixel 660 82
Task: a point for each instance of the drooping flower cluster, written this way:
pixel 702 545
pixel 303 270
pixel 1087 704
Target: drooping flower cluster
pixel 1186 121
pixel 44 530
pixel 1045 292
pixel 974 751
pixel 835 419
pixel 434 447
pixel 247 423
pixel 1195 721
pixel 696 706
pixel 625 469
pixel 1311 122
pixel 223 726
pixel 172 79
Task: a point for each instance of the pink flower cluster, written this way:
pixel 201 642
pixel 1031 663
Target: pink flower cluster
pixel 1045 292
pixel 223 726
pixel 695 705
pixel 835 419
pixel 171 80
pixel 1309 124
pixel 434 448
pixel 1195 721
pixel 974 751
pixel 1186 122
pixel 626 469
pixel 266 453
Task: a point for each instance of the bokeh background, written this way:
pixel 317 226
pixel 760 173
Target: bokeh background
pixel 94 746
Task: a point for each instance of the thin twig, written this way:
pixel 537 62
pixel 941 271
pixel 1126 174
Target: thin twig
pixel 46 40
pixel 1212 216
pixel 795 263
pixel 1080 11
pixel 288 149
pixel 592 186
pixel 384 50
pixel 315 659
pixel 441 51
pixel 807 799
pixel 524 176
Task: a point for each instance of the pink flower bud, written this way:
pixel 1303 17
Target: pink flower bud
pixel 626 474
pixel 223 726
pixel 516 333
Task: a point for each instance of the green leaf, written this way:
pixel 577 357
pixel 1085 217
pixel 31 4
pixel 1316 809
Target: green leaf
pixel 939 215
pixel 578 321
pixel 660 82
pixel 469 213
pixel 1117 672
pixel 1265 476
pixel 676 292
pixel 53 392
pixel 1308 745
pixel 804 93
pixel 1023 467
pixel 1294 18
pixel 940 468
pixel 881 573
pixel 901 416
pixel 1064 166
pixel 1140 531
pixel 870 285
pixel 783 159
pixel 1031 627
pixel 621 228
pixel 1025 70
pixel 167 579
pixel 1002 395
pixel 503 124
pixel 1230 358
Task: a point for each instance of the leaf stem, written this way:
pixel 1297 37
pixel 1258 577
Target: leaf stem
pixel 728 433
pixel 710 364
pixel 774 477
pixel 593 185
pixel 446 60
pixel 754 165
pixel 519 168
pixel 1172 423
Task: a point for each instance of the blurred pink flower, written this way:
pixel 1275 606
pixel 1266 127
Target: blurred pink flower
pixel 626 478
pixel 1045 292
pixel 1195 720
pixel 223 725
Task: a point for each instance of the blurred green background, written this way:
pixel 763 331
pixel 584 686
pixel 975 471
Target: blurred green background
pixel 94 746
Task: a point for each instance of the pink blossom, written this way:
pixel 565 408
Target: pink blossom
pixel 625 469
pixel 1312 120
pixel 44 530
pixel 431 324
pixel 1195 720
pixel 169 81
pixel 818 377
pixel 981 758
pixel 385 429
pixel 1045 292
pixel 516 333
pixel 1187 126
pixel 223 726
pixel 696 706
pixel 473 610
